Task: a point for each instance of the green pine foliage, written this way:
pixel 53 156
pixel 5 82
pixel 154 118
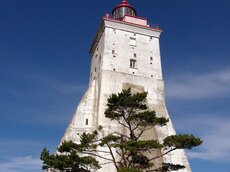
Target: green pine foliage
pixel 130 111
pixel 68 157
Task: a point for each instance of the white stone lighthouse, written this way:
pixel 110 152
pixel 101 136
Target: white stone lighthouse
pixel 125 54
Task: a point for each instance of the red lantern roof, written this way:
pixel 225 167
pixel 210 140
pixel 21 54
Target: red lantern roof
pixel 124 3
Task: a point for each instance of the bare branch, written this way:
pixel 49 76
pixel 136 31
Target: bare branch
pixel 106 163
pixel 111 153
pixel 122 124
pixel 90 153
pixel 163 154
pixel 123 135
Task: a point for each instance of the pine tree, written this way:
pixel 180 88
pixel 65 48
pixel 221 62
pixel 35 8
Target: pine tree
pixel 131 112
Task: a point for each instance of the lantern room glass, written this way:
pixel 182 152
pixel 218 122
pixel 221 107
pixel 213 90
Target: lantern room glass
pixel 119 13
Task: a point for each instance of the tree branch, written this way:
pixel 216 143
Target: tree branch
pixel 111 153
pixel 163 154
pixel 89 153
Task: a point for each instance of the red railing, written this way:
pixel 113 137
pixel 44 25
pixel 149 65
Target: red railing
pixel 153 26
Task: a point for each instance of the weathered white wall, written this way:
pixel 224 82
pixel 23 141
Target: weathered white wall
pixel 111 72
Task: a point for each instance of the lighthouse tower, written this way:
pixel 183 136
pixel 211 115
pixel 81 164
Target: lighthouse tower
pixel 125 54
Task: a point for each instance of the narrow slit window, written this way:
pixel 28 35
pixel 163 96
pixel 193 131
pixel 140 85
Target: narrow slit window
pixel 133 41
pixel 132 63
pixel 86 121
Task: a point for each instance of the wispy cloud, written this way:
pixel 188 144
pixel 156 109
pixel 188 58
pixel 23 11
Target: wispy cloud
pixel 68 88
pixel 197 86
pixel 214 132
pixel 19 143
pixel 214 129
pixel 39 98
pixel 21 164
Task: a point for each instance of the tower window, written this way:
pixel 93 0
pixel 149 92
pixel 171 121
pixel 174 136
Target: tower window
pixel 132 63
pixel 151 58
pixel 132 41
pixel 135 55
pixel 113 52
pixel 86 121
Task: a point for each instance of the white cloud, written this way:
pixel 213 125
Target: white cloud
pixel 191 86
pixel 21 164
pixel 214 131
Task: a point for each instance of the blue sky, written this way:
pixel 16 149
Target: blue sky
pixel 44 69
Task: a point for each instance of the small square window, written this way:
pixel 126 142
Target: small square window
pixel 132 63
pixel 113 52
